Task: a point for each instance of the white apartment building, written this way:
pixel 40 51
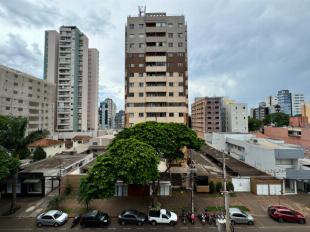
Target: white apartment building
pixel 93 80
pixel 74 69
pixel 24 95
pixel 236 117
pixel 156 72
pixel 297 101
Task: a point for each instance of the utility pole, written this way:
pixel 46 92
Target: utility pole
pixel 192 188
pixel 226 196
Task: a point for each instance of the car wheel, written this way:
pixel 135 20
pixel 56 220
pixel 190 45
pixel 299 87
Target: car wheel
pixel 39 224
pixel 232 222
pixel 140 223
pixel 301 221
pixel 172 223
pixel 250 222
pixel 153 223
pixel 281 220
pixel 56 225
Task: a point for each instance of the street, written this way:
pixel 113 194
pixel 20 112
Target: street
pixel 27 224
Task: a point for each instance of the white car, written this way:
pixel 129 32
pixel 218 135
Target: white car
pixel 238 216
pixel 52 218
pixel 162 216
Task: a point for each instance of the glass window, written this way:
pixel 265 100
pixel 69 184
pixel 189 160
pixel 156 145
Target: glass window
pixel 141 26
pixel 180 44
pixel 141 115
pixel 170 35
pixel 170 45
pixel 131 26
pixel 132 45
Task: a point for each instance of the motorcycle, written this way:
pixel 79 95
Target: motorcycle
pixel 183 217
pixel 191 217
pixel 76 220
pixel 202 218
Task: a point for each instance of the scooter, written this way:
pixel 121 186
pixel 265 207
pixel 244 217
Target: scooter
pixel 183 217
pixel 202 218
pixel 76 220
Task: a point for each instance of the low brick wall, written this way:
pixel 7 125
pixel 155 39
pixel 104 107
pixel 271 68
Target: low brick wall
pixel 70 180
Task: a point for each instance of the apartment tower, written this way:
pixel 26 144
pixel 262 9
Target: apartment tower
pixel 156 72
pixel 73 67
pixel 107 111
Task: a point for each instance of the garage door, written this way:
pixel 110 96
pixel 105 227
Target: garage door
pixel 241 184
pixel 275 189
pixel 262 189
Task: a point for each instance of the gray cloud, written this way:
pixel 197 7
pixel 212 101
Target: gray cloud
pixel 17 53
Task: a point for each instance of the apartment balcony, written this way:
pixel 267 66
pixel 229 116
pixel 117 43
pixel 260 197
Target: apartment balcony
pixel 155 29
pixel 155 89
pixel 155 39
pixel 156 99
pixel 156 68
pixel 156 78
pixel 155 49
pixel 155 59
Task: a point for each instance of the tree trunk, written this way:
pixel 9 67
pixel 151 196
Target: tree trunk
pixel 13 199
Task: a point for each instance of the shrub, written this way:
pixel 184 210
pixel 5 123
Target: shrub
pixel 54 202
pixel 230 186
pixel 68 190
pixel 39 154
pixel 211 187
pixel 218 187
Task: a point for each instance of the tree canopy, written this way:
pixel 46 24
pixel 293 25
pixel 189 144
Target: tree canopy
pixel 8 164
pixel 129 160
pixel 254 124
pixel 39 154
pixel 278 119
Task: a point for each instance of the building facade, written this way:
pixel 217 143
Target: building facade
pixel 297 101
pixel 120 119
pixel 236 117
pixel 93 80
pixel 27 96
pixel 107 111
pixel 206 115
pixel 305 111
pixel 285 101
pixel 156 72
pixel 67 67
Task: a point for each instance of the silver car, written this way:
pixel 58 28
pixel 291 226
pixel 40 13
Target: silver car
pixel 52 218
pixel 238 216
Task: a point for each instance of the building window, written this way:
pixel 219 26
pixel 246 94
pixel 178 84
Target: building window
pixel 180 83
pixel 180 24
pixel 140 55
pixel 181 74
pixel 141 115
pixel 131 45
pixel 131 36
pixel 20 109
pixel 141 45
pixel 8 99
pixel 131 84
pixel 171 114
pixel 140 94
pixel 170 45
pixel 141 65
pixel 141 26
pixel 171 74
pixel 180 54
pixel 181 114
pixel 20 101
pixel 170 83
pixel 170 54
pixel 180 44
pixel 180 64
pixel 131 115
pixel 131 65
pixel 131 26
pixel 170 24
pixel 180 35
pixel 7 108
pixel 29 95
pixel 141 84
pixel 170 94
pixel 140 74
pixel 141 35
pixel 170 35
pixel 131 74
pixel 131 95
pixel 181 94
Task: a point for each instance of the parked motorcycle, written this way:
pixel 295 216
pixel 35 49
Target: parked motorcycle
pixel 191 217
pixel 76 220
pixel 202 218
pixel 183 217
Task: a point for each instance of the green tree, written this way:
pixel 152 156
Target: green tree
pixel 218 187
pixel 278 119
pixel 8 164
pixel 211 187
pixel 39 154
pixel 129 160
pixel 229 186
pixel 254 124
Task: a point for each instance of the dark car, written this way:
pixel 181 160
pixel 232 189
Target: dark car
pixel 282 213
pixel 95 218
pixel 132 217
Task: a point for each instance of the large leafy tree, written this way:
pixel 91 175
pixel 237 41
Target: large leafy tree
pixel 254 124
pixel 8 164
pixel 278 119
pixel 129 160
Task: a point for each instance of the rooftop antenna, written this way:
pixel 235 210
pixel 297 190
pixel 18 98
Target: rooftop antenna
pixel 142 10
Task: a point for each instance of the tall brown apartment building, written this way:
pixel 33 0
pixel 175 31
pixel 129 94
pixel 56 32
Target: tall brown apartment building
pixel 156 71
pixel 207 115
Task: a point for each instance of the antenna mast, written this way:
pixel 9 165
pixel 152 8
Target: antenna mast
pixel 142 10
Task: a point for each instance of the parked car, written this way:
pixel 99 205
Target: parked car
pixel 240 217
pixel 132 217
pixel 95 218
pixel 52 218
pixel 282 213
pixel 162 216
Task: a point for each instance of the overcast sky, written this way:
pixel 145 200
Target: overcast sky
pixel 245 50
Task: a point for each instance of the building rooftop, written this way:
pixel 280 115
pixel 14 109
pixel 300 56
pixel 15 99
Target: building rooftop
pixel 272 144
pixel 45 143
pixel 81 138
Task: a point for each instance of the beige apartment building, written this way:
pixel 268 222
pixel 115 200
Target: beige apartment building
pixel 156 71
pixel 24 95
pixel 74 68
pixel 305 110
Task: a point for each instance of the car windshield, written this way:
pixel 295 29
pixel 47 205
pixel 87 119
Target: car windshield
pixel 57 214
pixel 168 213
pixel 244 213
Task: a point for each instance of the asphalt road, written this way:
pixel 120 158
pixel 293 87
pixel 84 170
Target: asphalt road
pixel 27 224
